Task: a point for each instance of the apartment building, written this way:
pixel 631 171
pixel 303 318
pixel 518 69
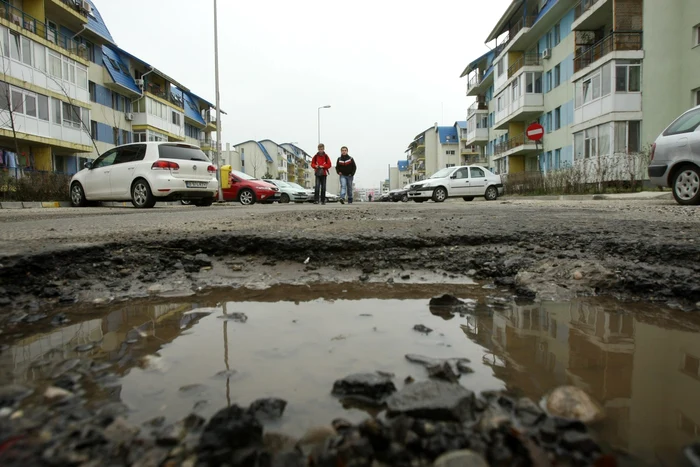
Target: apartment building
pixel 266 158
pixel 585 71
pixel 399 175
pixel 69 93
pixel 434 149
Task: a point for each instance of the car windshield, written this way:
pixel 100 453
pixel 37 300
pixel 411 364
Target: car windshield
pixel 296 186
pixel 242 175
pixel 279 183
pixel 442 173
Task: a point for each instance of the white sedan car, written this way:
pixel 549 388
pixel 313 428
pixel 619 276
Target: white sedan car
pixel 466 182
pixel 145 173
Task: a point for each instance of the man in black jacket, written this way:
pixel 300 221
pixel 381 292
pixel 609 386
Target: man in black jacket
pixel 346 167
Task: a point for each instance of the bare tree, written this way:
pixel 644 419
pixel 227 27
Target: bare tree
pixel 255 163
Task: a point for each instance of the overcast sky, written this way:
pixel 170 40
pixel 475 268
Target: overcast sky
pixel 389 69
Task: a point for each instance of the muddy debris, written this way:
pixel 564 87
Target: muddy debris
pixel 422 329
pixel 371 388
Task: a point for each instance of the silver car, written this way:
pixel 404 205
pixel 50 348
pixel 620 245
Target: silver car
pixel 675 158
pixel 289 192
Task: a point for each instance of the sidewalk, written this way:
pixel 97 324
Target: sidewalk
pixel 641 196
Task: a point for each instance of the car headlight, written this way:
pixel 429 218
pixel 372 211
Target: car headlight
pixel 265 188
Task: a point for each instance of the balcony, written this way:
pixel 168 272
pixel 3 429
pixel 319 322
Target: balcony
pixel 515 146
pixel 524 108
pixel 166 95
pixel 614 42
pixel 590 15
pixel 31 24
pixel 69 13
pixel 207 144
pixel 530 59
pixel 480 106
pixel 478 135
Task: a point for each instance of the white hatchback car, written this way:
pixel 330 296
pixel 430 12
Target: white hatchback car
pixel 145 173
pixel 466 182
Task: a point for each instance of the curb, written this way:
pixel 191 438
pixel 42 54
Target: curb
pixel 65 204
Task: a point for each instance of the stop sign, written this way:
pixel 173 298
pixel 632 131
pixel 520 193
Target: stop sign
pixel 535 132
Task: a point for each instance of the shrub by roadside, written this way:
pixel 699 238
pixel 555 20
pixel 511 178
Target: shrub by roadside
pixel 34 186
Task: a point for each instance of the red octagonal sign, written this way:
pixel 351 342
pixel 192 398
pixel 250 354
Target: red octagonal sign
pixel 535 132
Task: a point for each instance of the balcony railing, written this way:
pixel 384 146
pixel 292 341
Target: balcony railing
pixel 33 25
pixel 524 22
pixel 615 41
pixel 75 6
pixel 478 105
pixel 512 143
pixel 582 7
pixel 207 142
pixel 475 80
pixel 528 59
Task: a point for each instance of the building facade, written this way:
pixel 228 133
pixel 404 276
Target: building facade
pixel 69 93
pixel 434 149
pixel 593 73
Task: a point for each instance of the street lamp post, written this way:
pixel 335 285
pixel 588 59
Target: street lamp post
pixel 218 104
pixel 319 121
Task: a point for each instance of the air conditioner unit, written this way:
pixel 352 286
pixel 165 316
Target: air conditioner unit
pixel 139 83
pixel 129 116
pixel 87 7
pixel 547 53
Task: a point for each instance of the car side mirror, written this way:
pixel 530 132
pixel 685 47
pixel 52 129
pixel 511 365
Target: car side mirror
pixel 88 165
pixel 453 176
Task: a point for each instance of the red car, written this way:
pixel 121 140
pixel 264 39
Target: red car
pixel 249 190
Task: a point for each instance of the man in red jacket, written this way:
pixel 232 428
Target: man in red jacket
pixel 321 164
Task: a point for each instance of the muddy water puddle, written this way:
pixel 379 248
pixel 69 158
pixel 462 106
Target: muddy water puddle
pixel 171 358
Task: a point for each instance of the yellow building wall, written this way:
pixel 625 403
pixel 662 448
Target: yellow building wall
pixel 516 164
pixel 516 129
pixel 42 158
pixel 35 8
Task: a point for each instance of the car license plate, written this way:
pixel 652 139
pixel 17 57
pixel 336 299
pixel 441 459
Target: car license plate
pixel 196 184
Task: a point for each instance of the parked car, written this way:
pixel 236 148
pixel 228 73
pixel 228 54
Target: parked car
pixel 289 193
pixel 146 173
pixel 675 158
pixel 331 198
pixel 400 194
pixel 249 190
pixel 466 182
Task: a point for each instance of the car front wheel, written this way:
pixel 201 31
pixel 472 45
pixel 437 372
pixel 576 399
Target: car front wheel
pixel 141 195
pixel 686 185
pixel 247 197
pixel 491 193
pixel 439 195
pixel 77 195
pixel 404 199
pixel 284 198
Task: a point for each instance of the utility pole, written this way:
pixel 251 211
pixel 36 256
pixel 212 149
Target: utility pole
pixel 218 103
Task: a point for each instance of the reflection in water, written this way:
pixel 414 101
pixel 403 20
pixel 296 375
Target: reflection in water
pixel 177 357
pixel 645 374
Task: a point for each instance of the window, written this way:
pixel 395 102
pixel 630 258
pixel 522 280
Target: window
pixel 549 81
pixel 606 78
pixel 549 160
pixel 477 172
pixel 105 160
pixel 4 96
pixel 578 145
pixel 14 46
pixel 500 104
pixel 176 118
pixel 604 139
pixel 686 123
pixel 26 51
pixel 697 97
pixel 590 142
pixel 17 101
pixel 93 92
pixel 557 118
pixel 628 137
pixel 40 57
pixel 140 137
pixel 450 153
pixel 81 77
pixel 548 122
pixel 500 68
pixel 628 78
pixel 515 88
pixel 55 65
pixel 56 106
pixel 132 153
pixel 557 158
pixel 93 129
pixel 71 115
pixel 557 34
pixel 30 105
pixel 557 76
pixel 696 35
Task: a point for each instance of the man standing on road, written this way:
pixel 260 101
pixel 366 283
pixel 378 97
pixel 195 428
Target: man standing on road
pixel 346 168
pixel 321 164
